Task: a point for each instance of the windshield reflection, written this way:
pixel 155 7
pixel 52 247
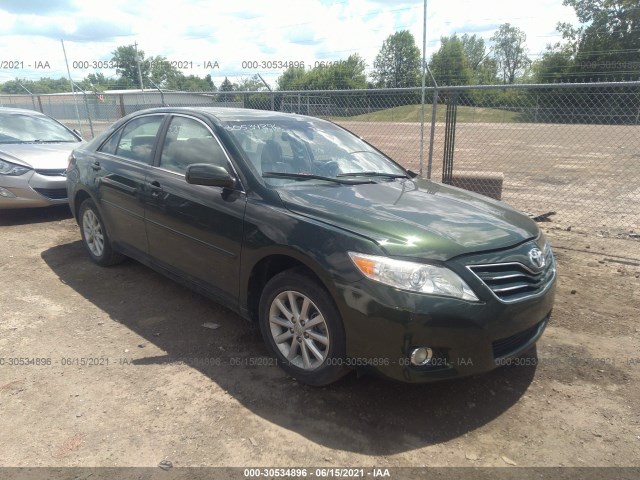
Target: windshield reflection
pixel 17 128
pixel 311 148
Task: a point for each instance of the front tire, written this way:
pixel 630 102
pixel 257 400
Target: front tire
pixel 302 328
pixel 94 235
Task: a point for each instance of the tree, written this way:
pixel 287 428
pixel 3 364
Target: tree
pixel 291 79
pixel 162 73
pixel 127 65
pixel 330 75
pixel 474 49
pixel 484 67
pixel 44 85
pixel 251 84
pixel 449 65
pixel 510 51
pixel 192 83
pixel 603 47
pixel 338 75
pixel 398 62
pixel 157 69
pixel 556 64
pixel 606 45
pixel 98 82
pixel 225 87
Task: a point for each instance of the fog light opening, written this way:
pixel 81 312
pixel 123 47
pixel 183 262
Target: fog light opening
pixel 421 356
pixel 6 193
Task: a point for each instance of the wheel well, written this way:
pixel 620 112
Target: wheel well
pixel 265 270
pixel 81 196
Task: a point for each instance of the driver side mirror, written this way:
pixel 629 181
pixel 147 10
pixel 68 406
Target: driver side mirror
pixel 210 175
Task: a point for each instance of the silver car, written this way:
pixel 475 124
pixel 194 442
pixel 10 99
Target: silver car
pixel 34 150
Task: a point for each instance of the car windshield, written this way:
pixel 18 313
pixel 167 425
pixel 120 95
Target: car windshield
pixel 17 128
pixel 290 151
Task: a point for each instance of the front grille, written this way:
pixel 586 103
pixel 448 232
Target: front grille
pixel 50 172
pixel 505 347
pixel 53 193
pixel 514 281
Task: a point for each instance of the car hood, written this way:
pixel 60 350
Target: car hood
pixel 416 218
pixel 38 155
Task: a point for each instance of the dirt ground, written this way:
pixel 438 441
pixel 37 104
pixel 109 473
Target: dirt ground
pixel 112 367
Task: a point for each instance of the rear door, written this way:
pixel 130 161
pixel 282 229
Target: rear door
pixel 121 166
pixel 194 231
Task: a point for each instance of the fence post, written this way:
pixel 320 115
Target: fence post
pixel 86 105
pixel 449 137
pixel 434 107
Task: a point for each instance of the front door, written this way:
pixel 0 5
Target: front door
pixel 194 231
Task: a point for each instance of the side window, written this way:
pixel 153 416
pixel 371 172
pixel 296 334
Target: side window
pixel 111 145
pixel 187 142
pixel 136 139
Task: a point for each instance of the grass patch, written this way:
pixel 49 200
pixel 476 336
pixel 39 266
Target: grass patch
pixel 411 113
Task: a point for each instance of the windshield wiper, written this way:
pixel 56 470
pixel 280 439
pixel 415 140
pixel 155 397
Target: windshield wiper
pixel 373 174
pixel 311 176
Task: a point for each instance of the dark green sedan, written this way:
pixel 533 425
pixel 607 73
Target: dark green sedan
pixel 344 258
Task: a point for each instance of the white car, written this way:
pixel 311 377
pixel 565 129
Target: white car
pixel 34 150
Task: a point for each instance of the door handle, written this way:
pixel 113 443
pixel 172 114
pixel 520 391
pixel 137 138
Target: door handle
pixel 96 166
pixel 155 188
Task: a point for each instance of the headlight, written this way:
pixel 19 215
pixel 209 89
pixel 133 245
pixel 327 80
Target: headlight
pixel 8 168
pixel 414 277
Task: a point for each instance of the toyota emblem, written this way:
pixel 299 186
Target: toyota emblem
pixel 537 258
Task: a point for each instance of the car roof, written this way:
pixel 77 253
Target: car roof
pixel 225 114
pixel 20 111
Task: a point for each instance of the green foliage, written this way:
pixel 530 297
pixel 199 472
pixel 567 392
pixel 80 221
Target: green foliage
pixel 484 67
pixel 260 101
pixel 127 60
pixel 604 47
pixel 510 52
pixel 162 73
pixel 291 79
pixel 98 82
pixel 155 71
pixel 226 89
pixel 334 75
pixel 474 50
pixel 449 65
pixel 251 84
pixel 556 65
pixel 191 83
pixel 44 85
pixel 398 63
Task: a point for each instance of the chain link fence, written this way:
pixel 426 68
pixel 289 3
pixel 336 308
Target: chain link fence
pixel 569 153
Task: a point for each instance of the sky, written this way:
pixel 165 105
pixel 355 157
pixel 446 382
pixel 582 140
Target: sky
pixel 224 38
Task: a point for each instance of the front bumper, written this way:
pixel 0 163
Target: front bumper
pixel 384 325
pixel 33 189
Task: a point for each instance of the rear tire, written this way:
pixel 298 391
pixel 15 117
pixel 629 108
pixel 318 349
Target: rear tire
pixel 302 328
pixel 94 236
